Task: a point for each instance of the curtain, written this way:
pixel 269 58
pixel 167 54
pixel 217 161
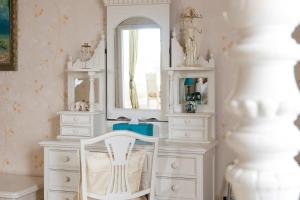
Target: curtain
pixel 133 49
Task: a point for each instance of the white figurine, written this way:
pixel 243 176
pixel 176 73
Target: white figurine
pixel 190 32
pixel 190 46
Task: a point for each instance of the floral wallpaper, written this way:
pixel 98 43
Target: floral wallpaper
pixel 49 31
pixel 30 98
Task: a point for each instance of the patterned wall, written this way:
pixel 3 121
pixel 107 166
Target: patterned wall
pixel 49 31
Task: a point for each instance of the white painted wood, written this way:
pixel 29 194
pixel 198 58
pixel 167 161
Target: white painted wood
pixel 63 160
pixel 195 128
pixel 191 162
pixel 81 124
pixel 18 187
pixel 119 145
pixel 63 180
pixel 92 91
pixel 92 69
pixel 59 195
pixel 180 166
pixel 265 100
pixel 177 58
pixel 117 12
pixel 176 188
pixel 134 2
pixel 185 127
pixel 180 74
pixel 95 64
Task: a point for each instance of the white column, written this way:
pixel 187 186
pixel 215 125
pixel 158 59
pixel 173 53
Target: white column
pixel 265 101
pixel 92 91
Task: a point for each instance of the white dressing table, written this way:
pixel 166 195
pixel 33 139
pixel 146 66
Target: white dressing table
pixel 186 157
pixel 184 171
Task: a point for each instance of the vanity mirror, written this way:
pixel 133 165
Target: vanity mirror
pixel 193 89
pixel 82 89
pixel 138 68
pixel 137 53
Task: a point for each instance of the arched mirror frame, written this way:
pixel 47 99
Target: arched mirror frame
pixel 116 14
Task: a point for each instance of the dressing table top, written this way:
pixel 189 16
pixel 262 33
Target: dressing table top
pixel 164 146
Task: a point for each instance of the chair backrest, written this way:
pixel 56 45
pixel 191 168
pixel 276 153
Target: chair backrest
pixel 119 145
pixel 151 80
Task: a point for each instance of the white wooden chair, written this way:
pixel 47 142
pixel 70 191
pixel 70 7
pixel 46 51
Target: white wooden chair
pixel 119 145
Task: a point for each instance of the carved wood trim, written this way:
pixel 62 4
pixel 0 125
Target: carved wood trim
pixel 134 2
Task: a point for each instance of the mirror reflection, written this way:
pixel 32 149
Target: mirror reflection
pixel 193 89
pixel 82 88
pixel 138 75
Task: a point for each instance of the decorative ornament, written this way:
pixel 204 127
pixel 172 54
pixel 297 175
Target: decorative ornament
pixel 85 53
pixel 80 106
pixel 190 31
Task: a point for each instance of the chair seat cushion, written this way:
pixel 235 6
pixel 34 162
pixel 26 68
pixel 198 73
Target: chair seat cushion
pixel 99 171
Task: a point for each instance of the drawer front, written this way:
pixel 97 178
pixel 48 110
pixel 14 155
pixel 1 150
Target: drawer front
pixel 188 134
pixel 187 123
pixel 176 188
pixel 55 195
pixel 67 160
pixel 75 119
pixel 75 131
pixel 176 165
pixel 63 180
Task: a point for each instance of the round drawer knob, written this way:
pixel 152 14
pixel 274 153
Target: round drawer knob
pixel 67 179
pixel 174 165
pixel 67 159
pixel 174 188
pixel 75 119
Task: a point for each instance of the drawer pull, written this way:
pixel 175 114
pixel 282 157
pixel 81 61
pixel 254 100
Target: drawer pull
pixel 174 165
pixel 75 131
pixel 75 119
pixel 67 159
pixel 67 179
pixel 174 188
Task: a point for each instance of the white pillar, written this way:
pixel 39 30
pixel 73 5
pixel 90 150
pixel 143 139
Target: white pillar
pixel 92 91
pixel 266 100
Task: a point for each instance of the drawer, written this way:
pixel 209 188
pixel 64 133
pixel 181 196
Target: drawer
pixel 187 123
pixel 176 165
pixel 67 160
pixel 63 180
pixel 176 188
pixel 188 134
pixel 75 119
pixel 75 131
pixel 55 195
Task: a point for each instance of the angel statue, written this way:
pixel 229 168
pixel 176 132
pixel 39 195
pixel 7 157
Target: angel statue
pixel 190 32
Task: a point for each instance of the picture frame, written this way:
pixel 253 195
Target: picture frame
pixel 8 35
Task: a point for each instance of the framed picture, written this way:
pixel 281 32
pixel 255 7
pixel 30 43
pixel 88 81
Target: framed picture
pixel 8 35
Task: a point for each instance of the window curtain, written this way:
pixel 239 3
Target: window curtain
pixel 133 49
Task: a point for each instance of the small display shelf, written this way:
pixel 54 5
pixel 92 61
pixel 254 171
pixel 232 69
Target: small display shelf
pixel 191 89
